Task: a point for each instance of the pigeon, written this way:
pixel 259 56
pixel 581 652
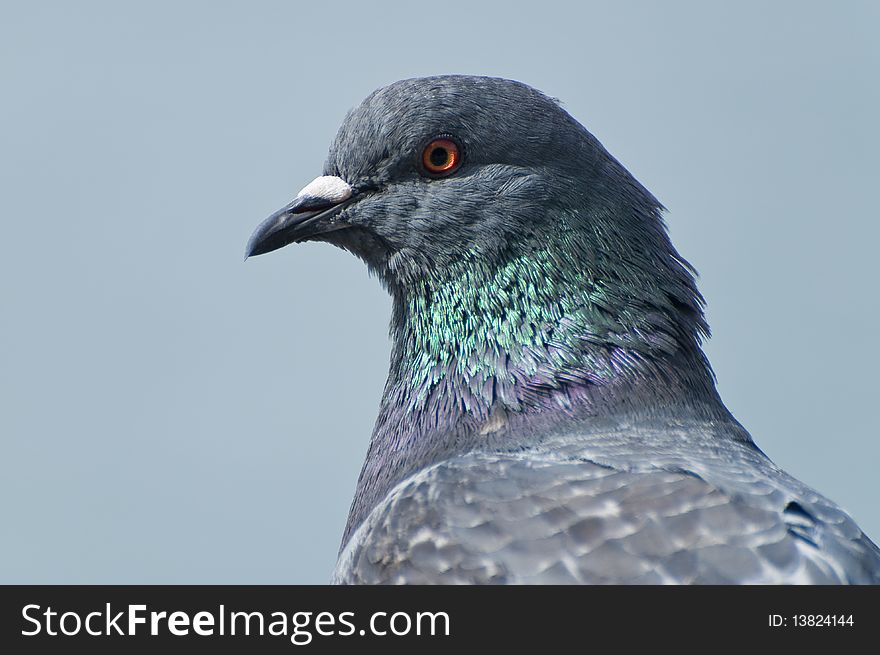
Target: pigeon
pixel 549 415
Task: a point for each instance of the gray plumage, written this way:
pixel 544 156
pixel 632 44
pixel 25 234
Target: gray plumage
pixel 549 415
pixel 627 504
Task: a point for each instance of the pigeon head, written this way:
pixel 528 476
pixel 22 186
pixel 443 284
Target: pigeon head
pixel 506 158
pixel 528 267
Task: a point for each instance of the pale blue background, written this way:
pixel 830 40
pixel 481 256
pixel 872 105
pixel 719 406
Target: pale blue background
pixel 171 414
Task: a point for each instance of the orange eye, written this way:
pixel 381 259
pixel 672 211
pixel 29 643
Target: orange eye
pixel 441 157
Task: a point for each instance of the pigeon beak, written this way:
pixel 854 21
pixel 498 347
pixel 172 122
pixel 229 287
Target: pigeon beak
pixel 310 214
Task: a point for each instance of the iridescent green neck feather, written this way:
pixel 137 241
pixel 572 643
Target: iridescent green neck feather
pixel 554 325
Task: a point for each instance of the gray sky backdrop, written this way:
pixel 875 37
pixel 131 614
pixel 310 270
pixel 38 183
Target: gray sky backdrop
pixel 171 414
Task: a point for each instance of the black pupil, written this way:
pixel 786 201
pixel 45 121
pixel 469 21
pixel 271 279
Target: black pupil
pixel 439 156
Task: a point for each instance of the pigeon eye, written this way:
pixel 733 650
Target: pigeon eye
pixel 442 156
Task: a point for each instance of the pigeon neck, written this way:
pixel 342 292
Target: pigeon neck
pixel 482 357
pixel 472 344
